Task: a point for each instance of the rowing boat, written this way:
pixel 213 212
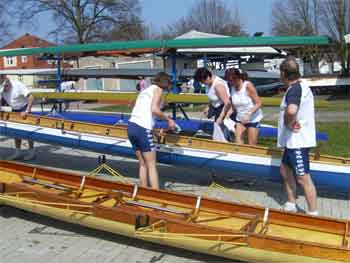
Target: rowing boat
pixel 190 127
pixel 259 161
pixel 195 223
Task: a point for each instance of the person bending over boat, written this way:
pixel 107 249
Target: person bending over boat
pixel 16 95
pixel 141 123
pixel 246 106
pixel 219 98
pixel 296 134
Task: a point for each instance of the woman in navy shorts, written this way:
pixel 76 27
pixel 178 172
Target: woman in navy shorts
pixel 141 123
pixel 246 106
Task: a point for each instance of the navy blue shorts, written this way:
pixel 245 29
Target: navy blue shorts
pixel 297 160
pixel 140 138
pixel 21 109
pixel 249 124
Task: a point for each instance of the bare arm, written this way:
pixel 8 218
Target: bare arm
pixel 223 96
pixel 155 107
pixel 290 115
pixel 293 98
pixel 254 96
pixel 30 103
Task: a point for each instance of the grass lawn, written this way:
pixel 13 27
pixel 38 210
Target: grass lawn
pixel 339 138
pixel 338 143
pixel 337 106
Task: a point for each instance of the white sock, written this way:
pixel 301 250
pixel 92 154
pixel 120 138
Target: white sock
pixel 312 213
pixel 290 205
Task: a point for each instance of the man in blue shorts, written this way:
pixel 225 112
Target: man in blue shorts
pixel 296 134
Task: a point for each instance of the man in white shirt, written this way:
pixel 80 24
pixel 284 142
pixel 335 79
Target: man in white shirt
pixel 16 95
pixel 296 134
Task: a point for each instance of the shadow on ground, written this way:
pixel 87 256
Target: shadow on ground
pixel 77 231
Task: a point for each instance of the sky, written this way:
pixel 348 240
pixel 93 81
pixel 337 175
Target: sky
pixel 255 15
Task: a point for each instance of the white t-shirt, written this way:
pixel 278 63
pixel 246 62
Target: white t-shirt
pixel 306 137
pixel 17 96
pixel 142 112
pixel 212 96
pixel 67 85
pixel 243 103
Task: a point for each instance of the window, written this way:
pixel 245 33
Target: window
pixel 10 61
pixel 24 59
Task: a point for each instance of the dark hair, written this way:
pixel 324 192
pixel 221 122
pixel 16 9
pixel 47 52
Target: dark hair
pixel 162 79
pixel 238 73
pixel 202 74
pixel 290 69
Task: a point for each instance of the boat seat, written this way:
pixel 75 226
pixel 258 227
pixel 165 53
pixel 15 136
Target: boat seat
pixel 163 209
pixel 49 185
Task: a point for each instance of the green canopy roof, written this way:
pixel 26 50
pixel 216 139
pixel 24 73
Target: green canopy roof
pixel 64 50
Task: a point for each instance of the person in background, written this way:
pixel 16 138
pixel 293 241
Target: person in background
pixel 16 95
pixel 218 95
pixel 67 86
pixel 141 123
pixel 196 86
pixel 246 106
pixel 296 134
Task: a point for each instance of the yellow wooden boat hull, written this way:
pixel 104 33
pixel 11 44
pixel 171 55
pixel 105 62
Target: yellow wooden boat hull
pixel 195 223
pixel 119 97
pixel 197 245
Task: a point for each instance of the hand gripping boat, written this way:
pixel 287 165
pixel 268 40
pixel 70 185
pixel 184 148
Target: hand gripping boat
pixel 195 223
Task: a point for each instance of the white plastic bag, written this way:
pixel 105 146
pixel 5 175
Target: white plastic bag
pixel 230 124
pixel 218 133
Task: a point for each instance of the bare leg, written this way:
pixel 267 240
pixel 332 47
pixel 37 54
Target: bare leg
pixel 309 190
pixel 289 182
pixel 239 133
pixel 150 159
pixel 142 169
pixel 253 135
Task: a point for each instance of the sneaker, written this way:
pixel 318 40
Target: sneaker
pixel 30 155
pixel 15 156
pixel 289 207
pixel 312 213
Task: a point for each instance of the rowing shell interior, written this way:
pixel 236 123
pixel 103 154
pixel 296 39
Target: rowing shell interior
pixel 196 223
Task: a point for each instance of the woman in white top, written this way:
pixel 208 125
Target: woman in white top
pixel 246 106
pixel 218 95
pixel 141 123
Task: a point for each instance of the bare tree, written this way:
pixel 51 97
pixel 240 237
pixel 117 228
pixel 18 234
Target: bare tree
pixel 296 17
pixel 5 18
pixel 82 20
pixel 129 29
pixel 336 20
pixel 210 16
pixel 299 18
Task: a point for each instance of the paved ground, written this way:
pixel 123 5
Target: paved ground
pixel 32 238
